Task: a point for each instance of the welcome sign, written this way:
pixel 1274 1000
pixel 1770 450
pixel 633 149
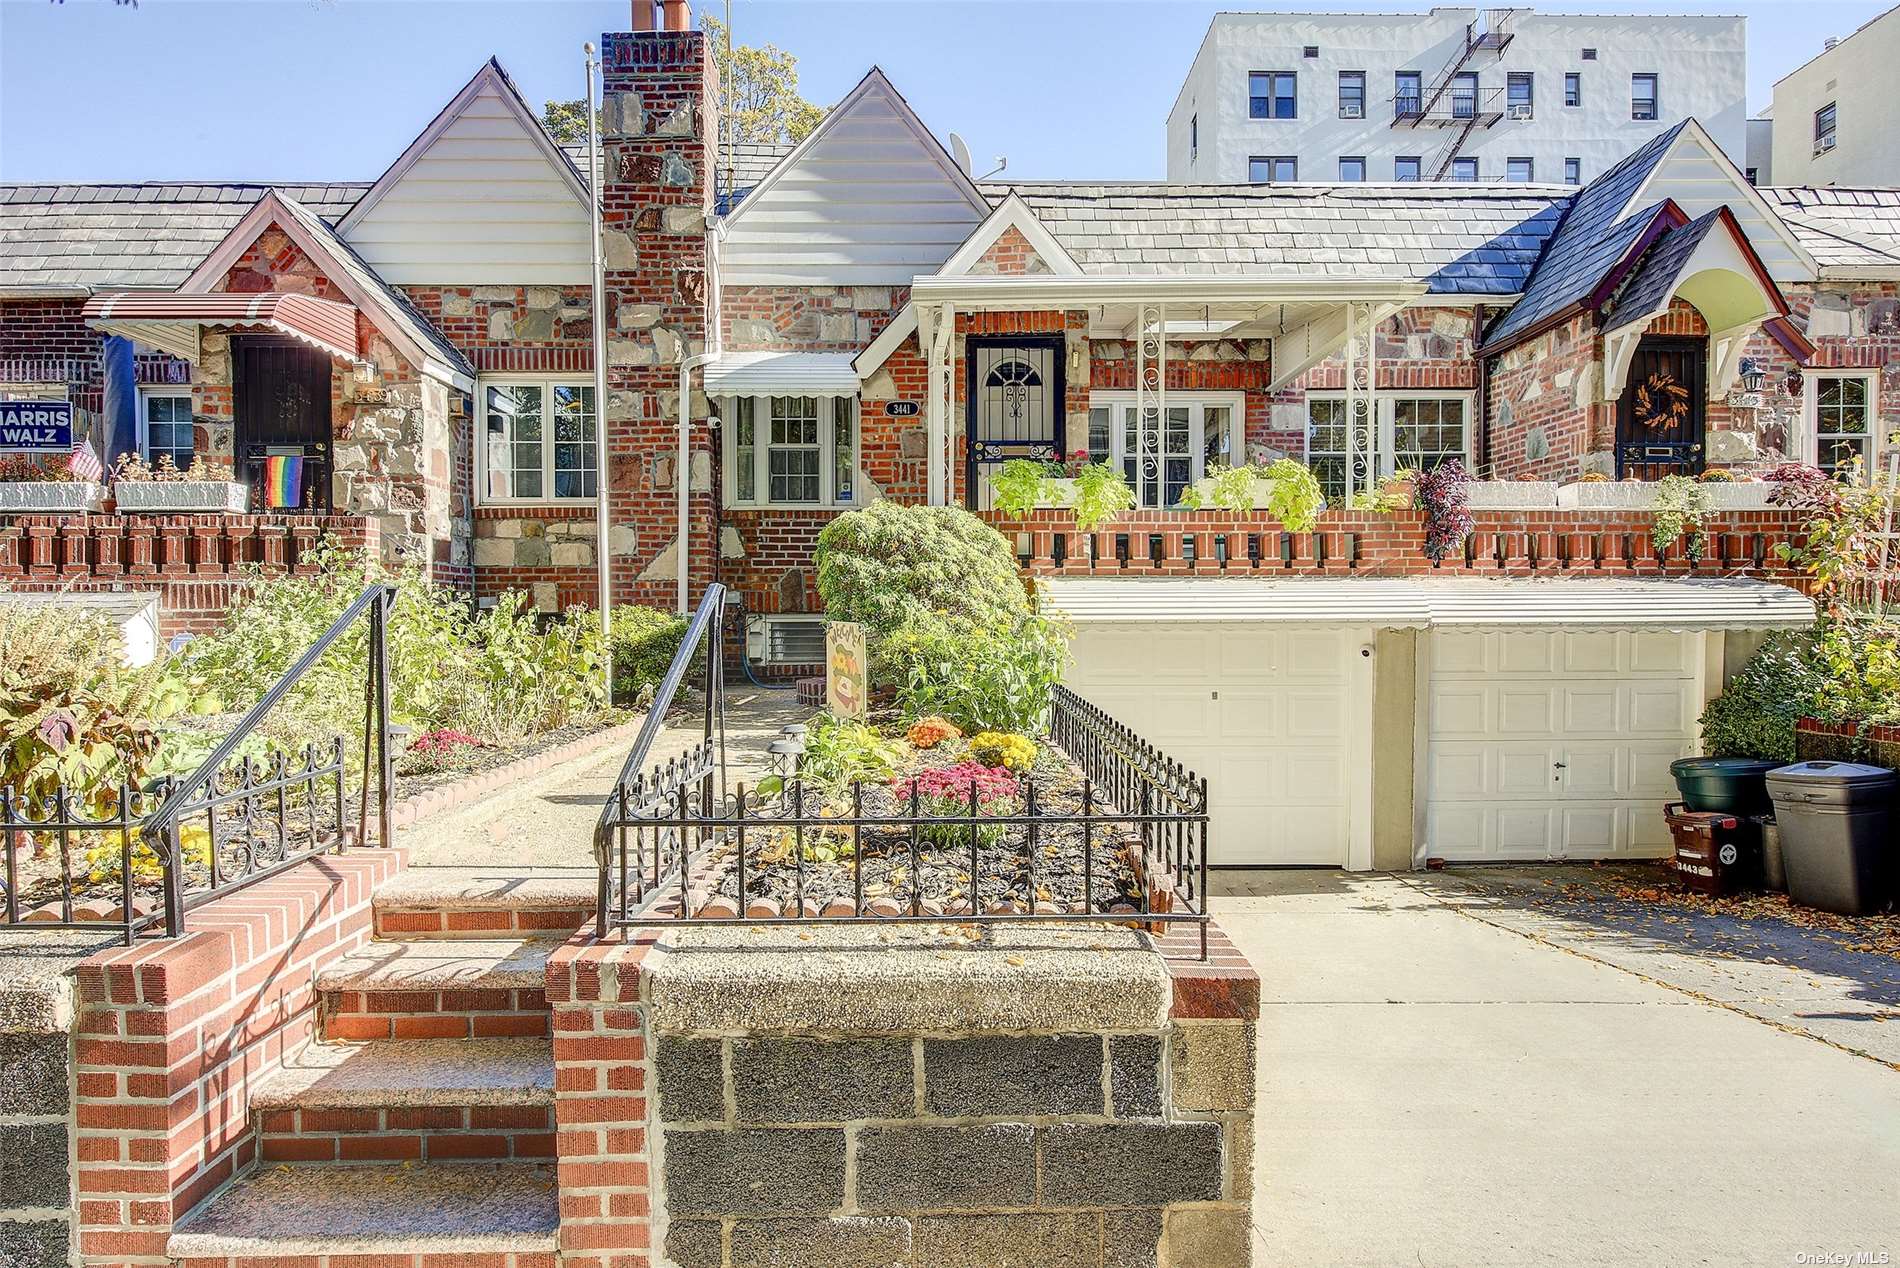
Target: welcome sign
pixel 36 426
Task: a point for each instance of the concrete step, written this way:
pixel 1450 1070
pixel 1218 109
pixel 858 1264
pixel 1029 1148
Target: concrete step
pixel 434 988
pixel 485 902
pixel 508 1213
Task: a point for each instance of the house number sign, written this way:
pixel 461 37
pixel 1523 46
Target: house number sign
pixel 900 409
pixel 36 426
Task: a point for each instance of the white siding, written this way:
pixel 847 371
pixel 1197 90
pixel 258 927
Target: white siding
pixel 484 203
pixel 869 200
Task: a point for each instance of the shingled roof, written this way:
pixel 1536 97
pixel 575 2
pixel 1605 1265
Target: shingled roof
pixel 1842 228
pixel 1460 239
pixel 124 237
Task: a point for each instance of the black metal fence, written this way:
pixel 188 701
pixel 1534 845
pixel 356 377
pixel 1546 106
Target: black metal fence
pixel 136 858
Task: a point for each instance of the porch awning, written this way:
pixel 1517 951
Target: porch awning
pixel 782 374
pixel 1648 603
pixel 171 323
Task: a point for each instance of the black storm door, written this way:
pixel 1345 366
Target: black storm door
pixel 1660 420
pixel 282 394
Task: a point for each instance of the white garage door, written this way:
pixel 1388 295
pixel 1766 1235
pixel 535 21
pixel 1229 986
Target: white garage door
pixel 1553 745
pixel 1262 711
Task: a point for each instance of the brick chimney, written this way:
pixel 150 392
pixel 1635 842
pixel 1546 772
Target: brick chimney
pixel 658 92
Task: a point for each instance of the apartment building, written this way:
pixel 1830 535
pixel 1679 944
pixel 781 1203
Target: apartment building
pixel 1454 94
pixel 1835 116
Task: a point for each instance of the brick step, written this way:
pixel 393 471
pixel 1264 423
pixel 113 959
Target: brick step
pixel 494 1215
pixel 431 1099
pixel 480 903
pixel 435 988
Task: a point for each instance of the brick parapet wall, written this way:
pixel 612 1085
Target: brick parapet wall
pixel 174 1035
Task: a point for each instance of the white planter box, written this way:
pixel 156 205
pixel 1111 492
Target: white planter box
pixel 1058 493
pixel 50 497
pixel 1262 490
pixel 1512 495
pixel 1739 497
pixel 1640 495
pixel 180 497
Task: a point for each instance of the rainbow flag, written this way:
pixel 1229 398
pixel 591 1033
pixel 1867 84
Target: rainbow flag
pixel 283 482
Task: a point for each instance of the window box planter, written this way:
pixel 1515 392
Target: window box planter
pixel 1640 495
pixel 50 497
pixel 1058 493
pixel 1262 490
pixel 181 497
pixel 1515 495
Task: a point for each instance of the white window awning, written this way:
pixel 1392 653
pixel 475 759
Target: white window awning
pixel 782 374
pixel 1633 603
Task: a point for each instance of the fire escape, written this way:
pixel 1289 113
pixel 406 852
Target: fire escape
pixel 1453 101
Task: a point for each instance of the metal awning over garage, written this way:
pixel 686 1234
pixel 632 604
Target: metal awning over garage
pixel 171 323
pixel 1634 603
pixel 782 374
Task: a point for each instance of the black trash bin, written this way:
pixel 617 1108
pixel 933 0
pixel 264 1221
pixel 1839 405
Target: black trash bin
pixel 1834 819
pixel 1723 785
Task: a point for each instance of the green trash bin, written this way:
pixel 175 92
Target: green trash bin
pixel 1835 819
pixel 1723 785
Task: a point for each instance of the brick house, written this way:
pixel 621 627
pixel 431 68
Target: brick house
pixel 793 333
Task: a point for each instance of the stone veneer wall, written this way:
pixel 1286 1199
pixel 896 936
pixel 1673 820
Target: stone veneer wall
pixel 858 1097
pixel 36 1020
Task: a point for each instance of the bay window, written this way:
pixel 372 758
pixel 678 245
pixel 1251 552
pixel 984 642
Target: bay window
pixel 1411 430
pixel 1197 430
pixel 537 441
pixel 790 450
pixel 1840 411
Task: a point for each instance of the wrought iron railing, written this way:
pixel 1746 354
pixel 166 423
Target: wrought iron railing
pixel 147 856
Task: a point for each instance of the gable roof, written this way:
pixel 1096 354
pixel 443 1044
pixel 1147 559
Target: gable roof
pixel 1011 213
pixel 1843 228
pixel 1692 171
pixel 869 198
pixel 83 238
pixel 1648 287
pixel 388 309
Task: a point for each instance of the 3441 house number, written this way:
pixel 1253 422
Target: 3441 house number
pixel 900 409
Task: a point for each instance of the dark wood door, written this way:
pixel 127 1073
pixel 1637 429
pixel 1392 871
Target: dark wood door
pixel 1660 420
pixel 282 394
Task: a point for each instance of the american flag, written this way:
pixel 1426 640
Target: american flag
pixel 85 463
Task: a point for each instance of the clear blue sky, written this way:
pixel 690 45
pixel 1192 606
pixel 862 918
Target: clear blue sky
pixel 333 89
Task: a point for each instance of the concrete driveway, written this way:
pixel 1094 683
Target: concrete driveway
pixel 1455 1072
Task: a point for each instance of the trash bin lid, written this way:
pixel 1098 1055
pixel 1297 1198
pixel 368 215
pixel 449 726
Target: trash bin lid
pixel 1831 783
pixel 1721 766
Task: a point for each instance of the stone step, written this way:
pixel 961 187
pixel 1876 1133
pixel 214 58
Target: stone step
pixel 500 1214
pixel 433 1099
pixel 485 902
pixel 432 988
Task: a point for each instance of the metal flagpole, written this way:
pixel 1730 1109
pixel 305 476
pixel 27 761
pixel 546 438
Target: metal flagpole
pixel 603 553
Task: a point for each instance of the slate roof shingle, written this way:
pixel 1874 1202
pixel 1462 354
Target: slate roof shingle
pixel 1842 227
pixel 1654 279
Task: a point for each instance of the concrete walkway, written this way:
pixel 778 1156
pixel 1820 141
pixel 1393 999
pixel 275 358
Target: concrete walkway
pixel 1451 1075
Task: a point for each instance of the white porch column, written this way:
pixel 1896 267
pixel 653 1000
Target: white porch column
pixel 1151 395
pixel 940 323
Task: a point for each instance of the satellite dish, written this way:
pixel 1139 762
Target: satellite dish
pixel 960 152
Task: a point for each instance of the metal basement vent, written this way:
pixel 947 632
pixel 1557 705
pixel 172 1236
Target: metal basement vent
pixel 798 641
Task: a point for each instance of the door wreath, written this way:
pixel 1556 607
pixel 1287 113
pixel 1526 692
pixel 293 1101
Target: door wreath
pixel 1662 403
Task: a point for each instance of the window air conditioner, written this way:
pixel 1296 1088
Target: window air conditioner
pixel 1824 144
pixel 1519 111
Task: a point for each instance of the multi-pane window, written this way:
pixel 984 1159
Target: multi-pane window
pixel 1272 94
pixel 1416 432
pixel 538 441
pixel 1408 93
pixel 1352 168
pixel 1163 458
pixel 1824 128
pixel 1352 94
pixel 1520 93
pixel 1520 169
pixel 1464 95
pixel 1643 96
pixel 790 450
pixel 1843 422
pixel 1327 454
pixel 1273 169
pixel 1426 432
pixel 1573 89
pixel 168 428
pixel 1573 171
pixel 1405 167
pixel 1464 169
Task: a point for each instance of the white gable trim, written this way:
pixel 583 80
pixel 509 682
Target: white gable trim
pixel 889 340
pixel 490 75
pixel 1693 133
pixel 1012 213
pixel 873 80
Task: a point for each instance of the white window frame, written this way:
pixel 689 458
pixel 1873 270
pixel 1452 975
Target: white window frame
pixel 169 391
pixel 828 498
pixel 547 383
pixel 1384 423
pixel 1811 411
pixel 1234 402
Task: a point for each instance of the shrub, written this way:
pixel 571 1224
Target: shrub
pixel 1860 668
pixel 980 679
pixel 1003 749
pixel 930 732
pixel 840 753
pixel 643 642
pixel 1447 505
pixel 1295 498
pixel 437 750
pixel 1755 714
pixel 1681 507
pixel 888 565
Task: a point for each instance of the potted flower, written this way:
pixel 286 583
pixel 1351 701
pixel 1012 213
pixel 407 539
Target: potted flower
pixel 162 488
pixel 27 487
pixel 1284 488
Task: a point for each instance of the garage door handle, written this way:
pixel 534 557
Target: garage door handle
pixel 1559 766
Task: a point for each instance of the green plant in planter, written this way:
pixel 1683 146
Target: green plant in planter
pixel 1102 493
pixel 1229 488
pixel 1295 498
pixel 1680 508
pixel 1755 714
pixel 1018 487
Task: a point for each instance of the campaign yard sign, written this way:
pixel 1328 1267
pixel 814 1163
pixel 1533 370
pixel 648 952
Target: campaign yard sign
pixel 36 426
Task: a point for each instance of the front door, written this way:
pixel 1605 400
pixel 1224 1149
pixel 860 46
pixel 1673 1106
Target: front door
pixel 1014 391
pixel 282 391
pixel 1660 419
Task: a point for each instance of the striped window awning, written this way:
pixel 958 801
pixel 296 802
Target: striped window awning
pixel 172 323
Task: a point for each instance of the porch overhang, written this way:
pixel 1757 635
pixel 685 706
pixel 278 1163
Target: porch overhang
pixel 1683 604
pixel 775 373
pixel 173 323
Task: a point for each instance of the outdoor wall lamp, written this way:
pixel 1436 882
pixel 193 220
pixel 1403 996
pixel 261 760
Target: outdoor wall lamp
pixel 1753 377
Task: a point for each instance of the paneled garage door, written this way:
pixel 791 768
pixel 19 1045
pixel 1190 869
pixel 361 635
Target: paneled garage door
pixel 1262 711
pixel 1549 745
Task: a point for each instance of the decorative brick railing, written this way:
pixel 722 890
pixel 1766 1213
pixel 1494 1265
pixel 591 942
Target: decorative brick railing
pixel 1503 543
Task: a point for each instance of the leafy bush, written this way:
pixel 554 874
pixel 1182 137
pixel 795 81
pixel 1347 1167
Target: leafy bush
pixel 438 750
pixel 1003 749
pixel 1295 499
pixel 643 642
pixel 840 753
pixel 1755 714
pixel 888 565
pixel 1229 488
pixel 1102 493
pixel 981 679
pixel 1018 487
pixel 1446 501
pixel 1677 515
pixel 1860 666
